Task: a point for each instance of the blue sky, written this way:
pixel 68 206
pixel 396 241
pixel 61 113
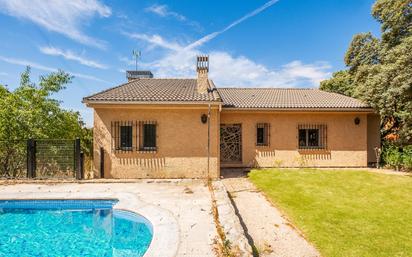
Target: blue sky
pixel 260 43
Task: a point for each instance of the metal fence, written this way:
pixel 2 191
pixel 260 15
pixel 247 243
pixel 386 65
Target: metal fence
pixel 41 158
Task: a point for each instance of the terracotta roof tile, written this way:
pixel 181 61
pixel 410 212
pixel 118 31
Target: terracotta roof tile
pixel 185 90
pixel 285 98
pixel 155 90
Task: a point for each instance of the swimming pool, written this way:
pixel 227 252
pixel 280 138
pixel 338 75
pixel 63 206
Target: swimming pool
pixel 71 228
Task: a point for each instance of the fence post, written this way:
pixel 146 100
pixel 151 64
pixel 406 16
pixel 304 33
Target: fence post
pixel 81 165
pixel 28 162
pixel 77 158
pixel 101 162
pixel 31 158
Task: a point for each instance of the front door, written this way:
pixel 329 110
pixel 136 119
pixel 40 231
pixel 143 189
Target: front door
pixel 230 143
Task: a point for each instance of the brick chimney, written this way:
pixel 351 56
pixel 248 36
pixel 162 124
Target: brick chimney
pixel 202 68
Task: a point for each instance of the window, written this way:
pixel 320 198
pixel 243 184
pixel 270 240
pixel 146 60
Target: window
pixel 262 134
pixel 312 136
pixel 126 137
pixel 133 136
pixel 147 136
pixel 122 135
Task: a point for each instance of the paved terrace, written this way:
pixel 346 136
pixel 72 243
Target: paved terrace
pixel 177 207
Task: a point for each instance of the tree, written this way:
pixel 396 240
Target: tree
pixel 30 112
pixel 341 83
pixel 363 50
pixel 395 17
pixel 379 70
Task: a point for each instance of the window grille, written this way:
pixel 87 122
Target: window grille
pixel 122 135
pixel 262 134
pixel 134 135
pixel 147 136
pixel 312 136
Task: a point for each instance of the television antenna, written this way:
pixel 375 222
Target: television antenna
pixel 136 55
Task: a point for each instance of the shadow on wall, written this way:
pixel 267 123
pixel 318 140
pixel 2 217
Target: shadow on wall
pixel 303 158
pixel 265 153
pixel 308 158
pixel 316 155
pixel 263 158
pixel 107 165
pixel 146 163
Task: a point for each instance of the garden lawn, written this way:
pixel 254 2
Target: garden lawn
pixel 344 213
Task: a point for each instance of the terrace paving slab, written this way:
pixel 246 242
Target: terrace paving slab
pixel 180 208
pixel 269 230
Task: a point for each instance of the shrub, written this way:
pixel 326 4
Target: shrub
pixel 392 156
pixel 407 157
pixel 397 157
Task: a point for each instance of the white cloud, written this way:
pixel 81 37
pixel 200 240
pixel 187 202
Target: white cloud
pixel 241 71
pixel 46 68
pixel 163 11
pixel 212 35
pixel 26 63
pixel 69 55
pixel 64 17
pixel 155 40
pixel 228 70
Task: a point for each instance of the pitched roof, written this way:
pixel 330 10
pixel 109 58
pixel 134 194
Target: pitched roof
pixel 185 90
pixel 285 98
pixel 156 90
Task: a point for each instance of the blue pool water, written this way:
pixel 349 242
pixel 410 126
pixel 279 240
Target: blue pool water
pixel 71 228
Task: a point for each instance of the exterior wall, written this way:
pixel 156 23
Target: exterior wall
pixel 374 137
pixel 181 142
pixel 347 144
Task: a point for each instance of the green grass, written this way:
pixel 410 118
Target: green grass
pixel 344 213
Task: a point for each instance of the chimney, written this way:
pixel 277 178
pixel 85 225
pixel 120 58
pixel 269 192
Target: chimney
pixel 202 68
pixel 138 74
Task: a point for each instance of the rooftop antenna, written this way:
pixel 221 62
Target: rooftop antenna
pixel 136 56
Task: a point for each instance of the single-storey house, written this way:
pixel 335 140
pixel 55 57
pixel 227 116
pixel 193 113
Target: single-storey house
pixel 190 128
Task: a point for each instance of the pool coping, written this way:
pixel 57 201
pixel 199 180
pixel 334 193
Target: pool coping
pixel 163 222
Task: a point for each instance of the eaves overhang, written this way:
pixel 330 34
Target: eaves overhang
pixel 366 110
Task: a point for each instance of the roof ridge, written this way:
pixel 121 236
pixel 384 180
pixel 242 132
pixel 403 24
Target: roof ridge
pixel 214 90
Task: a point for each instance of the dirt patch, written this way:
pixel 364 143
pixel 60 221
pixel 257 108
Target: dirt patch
pixel 271 233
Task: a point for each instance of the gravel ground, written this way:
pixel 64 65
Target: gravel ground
pixel 268 229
